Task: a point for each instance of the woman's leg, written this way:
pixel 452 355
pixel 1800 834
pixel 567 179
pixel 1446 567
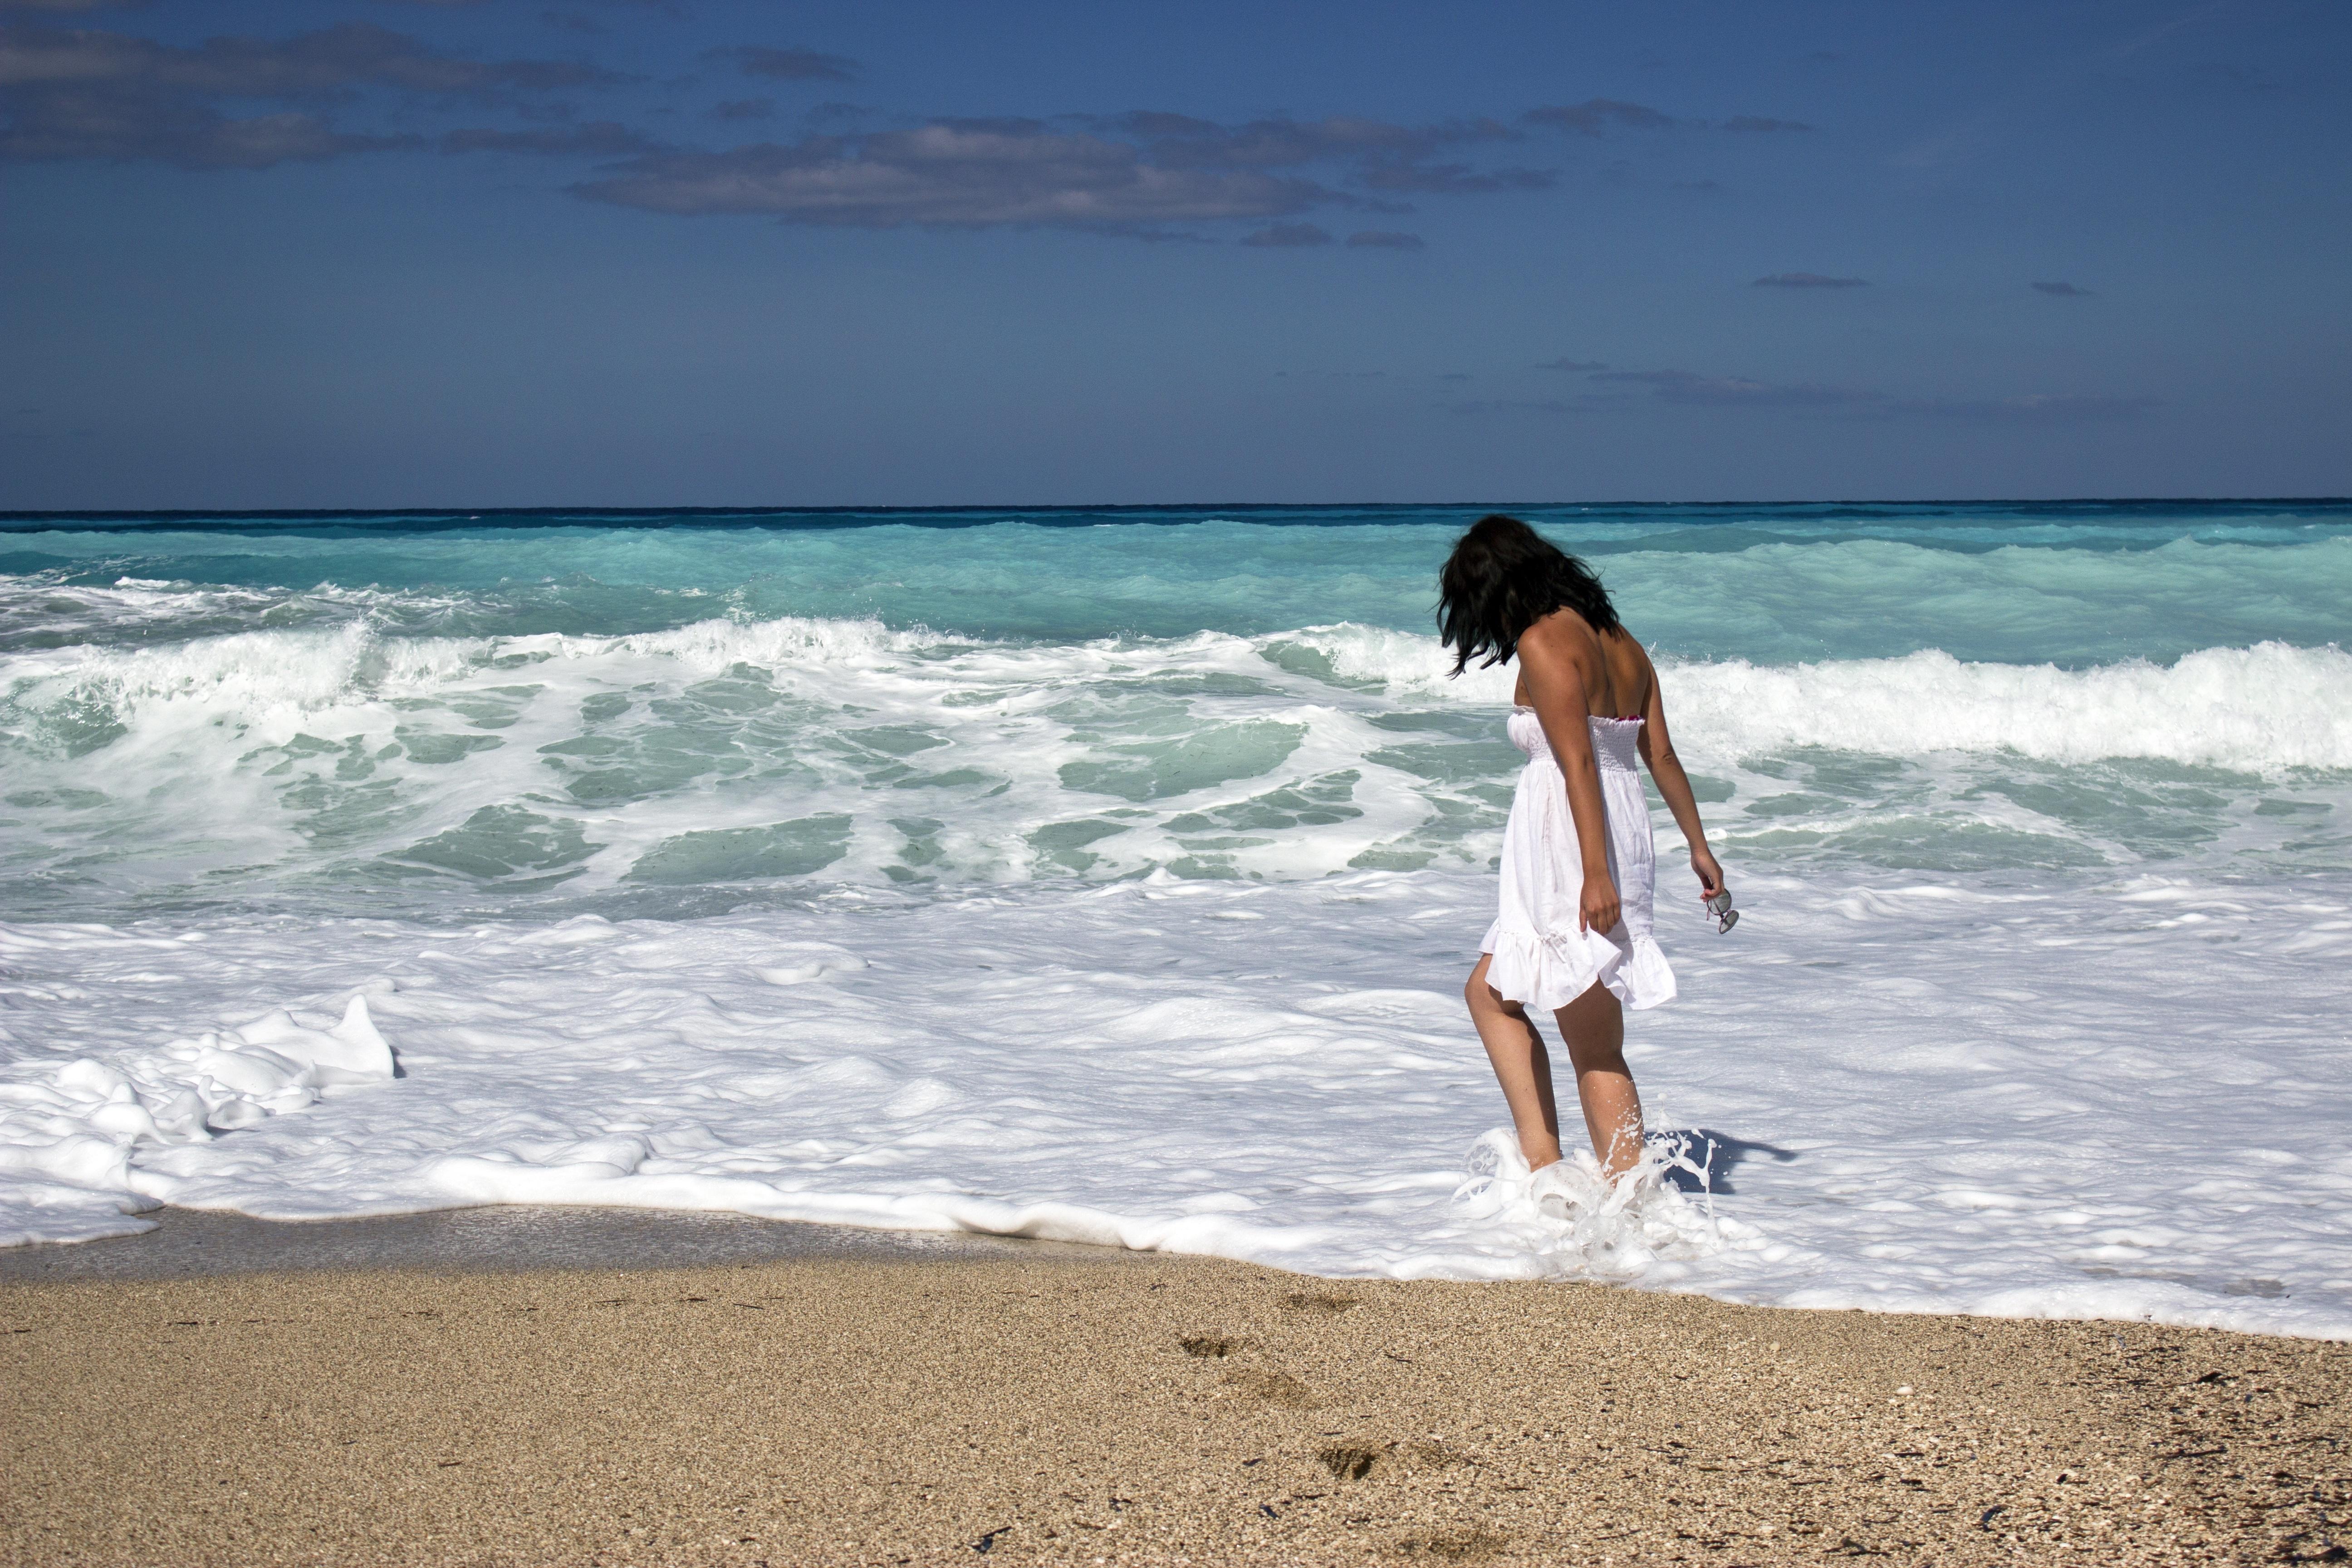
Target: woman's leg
pixel 1593 1028
pixel 1521 1065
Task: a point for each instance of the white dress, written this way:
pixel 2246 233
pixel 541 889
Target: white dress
pixel 1541 960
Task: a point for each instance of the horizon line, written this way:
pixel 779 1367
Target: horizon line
pixel 9 517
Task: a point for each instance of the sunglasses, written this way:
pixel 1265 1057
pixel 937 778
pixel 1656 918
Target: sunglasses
pixel 1719 907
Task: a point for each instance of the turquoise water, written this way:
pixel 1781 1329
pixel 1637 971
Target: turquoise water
pixel 679 713
pixel 2076 583
pixel 1111 876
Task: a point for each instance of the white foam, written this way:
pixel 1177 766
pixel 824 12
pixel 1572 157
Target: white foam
pixel 69 1129
pixel 2065 1097
pixel 332 757
pixel 2262 710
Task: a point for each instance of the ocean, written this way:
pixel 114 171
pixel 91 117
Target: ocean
pixel 1111 875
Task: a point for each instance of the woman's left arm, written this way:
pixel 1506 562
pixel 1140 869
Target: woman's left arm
pixel 1673 784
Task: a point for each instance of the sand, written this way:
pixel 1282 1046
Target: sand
pixel 1126 1408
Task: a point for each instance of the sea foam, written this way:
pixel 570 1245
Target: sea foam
pixel 323 760
pixel 1941 1094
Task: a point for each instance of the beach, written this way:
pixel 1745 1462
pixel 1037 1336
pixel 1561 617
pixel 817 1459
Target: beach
pixel 1116 1406
pixel 797 1038
pixel 767 776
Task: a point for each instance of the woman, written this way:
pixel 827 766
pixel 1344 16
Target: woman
pixel 1573 937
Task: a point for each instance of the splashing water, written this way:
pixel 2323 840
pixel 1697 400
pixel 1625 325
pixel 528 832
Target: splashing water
pixel 1582 1224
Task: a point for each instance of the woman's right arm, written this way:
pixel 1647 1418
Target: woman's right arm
pixel 1658 751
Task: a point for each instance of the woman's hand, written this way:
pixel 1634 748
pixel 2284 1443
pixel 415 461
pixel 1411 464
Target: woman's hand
pixel 1710 875
pixel 1597 909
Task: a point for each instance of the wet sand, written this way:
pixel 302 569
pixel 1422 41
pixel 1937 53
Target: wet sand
pixel 1108 1406
pixel 515 1238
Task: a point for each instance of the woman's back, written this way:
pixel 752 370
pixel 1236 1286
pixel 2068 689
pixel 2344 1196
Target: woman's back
pixel 1630 676
pixel 1615 671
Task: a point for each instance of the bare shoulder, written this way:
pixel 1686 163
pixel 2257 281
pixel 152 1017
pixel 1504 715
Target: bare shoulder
pixel 1635 656
pixel 1556 650
pixel 1561 635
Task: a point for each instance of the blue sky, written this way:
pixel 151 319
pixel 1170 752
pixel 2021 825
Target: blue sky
pixel 610 252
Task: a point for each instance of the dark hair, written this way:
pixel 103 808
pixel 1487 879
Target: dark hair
pixel 1501 579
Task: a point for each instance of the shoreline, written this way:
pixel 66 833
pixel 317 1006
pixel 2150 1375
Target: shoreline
pixel 518 1238
pixel 822 1409
pixel 2047 1151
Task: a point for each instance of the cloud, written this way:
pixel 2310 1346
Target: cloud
pixel 1598 116
pixel 1181 142
pixel 1455 179
pixel 1383 239
pixel 952 175
pixel 1737 392
pixel 1808 280
pixel 787 65
pixel 1382 156
pixel 1288 235
pixel 1571 365
pixel 598 139
pixel 83 94
pixel 68 94
pixel 836 118
pixel 348 55
pixel 2033 408
pixel 124 127
pixel 2063 290
pixel 1131 173
pixel 1690 388
pixel 1515 405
